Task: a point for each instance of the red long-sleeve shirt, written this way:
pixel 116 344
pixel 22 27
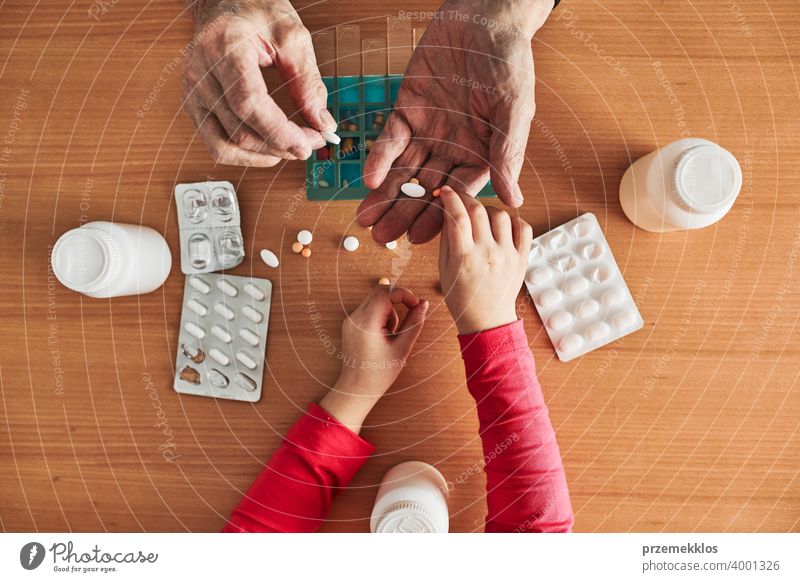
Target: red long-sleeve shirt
pixel 526 488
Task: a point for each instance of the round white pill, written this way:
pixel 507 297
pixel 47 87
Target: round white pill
pixel 249 336
pixel 221 334
pixel 597 331
pixel 559 320
pixel 270 259
pixel 570 343
pixel 254 292
pixel 245 359
pixel 549 298
pixel 219 356
pixel 224 310
pixel 330 137
pixel 576 286
pixel 252 313
pixel 246 382
pixel 351 244
pixel 197 307
pixel 199 284
pixel 304 237
pixel 391 245
pixel 587 308
pixel 624 319
pixel 195 330
pixel 412 190
pixel 539 276
pixel 226 287
pixel 613 296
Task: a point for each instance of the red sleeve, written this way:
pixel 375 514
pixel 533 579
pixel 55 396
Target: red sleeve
pixel 525 483
pixel 318 457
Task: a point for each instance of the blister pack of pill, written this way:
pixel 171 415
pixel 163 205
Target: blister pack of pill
pixel 223 335
pixel 578 289
pixel 210 227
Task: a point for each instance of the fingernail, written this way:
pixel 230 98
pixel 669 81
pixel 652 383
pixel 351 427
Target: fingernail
pixel 424 305
pixel 327 120
pixel 300 152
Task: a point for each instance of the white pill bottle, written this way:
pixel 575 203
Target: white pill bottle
pixel 412 498
pixel 691 183
pixel 107 259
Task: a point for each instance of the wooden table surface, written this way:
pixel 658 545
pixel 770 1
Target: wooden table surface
pixel 690 424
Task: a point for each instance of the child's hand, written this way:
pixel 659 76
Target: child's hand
pixel 375 347
pixel 482 261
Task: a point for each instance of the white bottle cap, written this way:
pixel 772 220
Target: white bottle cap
pixel 408 517
pixel 86 259
pixel 707 179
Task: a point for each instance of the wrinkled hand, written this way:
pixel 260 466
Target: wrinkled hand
pixel 462 115
pixel 482 261
pixel 375 347
pixel 224 90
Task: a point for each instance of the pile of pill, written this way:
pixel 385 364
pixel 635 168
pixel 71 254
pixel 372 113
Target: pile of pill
pixel 222 337
pixel 302 246
pixel 578 289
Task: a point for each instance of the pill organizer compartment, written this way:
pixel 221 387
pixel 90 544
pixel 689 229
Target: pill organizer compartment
pixel 209 223
pixel 223 335
pixel 578 289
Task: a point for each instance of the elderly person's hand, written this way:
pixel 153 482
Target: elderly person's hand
pixel 462 115
pixel 224 90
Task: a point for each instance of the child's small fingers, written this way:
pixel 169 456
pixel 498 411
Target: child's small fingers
pixel 404 296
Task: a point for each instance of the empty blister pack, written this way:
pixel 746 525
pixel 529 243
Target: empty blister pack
pixel 209 223
pixel 578 289
pixel 222 338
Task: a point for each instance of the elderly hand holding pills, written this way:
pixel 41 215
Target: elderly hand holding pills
pixel 224 92
pixel 462 115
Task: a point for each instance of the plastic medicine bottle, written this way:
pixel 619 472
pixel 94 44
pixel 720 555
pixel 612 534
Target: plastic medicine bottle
pixel 107 259
pixel 412 498
pixel 691 183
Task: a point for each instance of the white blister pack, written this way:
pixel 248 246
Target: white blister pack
pixel 210 227
pixel 222 337
pixel 578 289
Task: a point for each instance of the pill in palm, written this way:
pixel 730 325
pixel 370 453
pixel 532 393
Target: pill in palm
pixel 412 190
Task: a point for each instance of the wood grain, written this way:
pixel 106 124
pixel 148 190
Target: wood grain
pixel 690 424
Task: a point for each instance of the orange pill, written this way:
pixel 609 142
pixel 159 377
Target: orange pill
pixel 414 181
pixel 306 252
pixel 437 192
pixel 383 281
pixel 297 247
